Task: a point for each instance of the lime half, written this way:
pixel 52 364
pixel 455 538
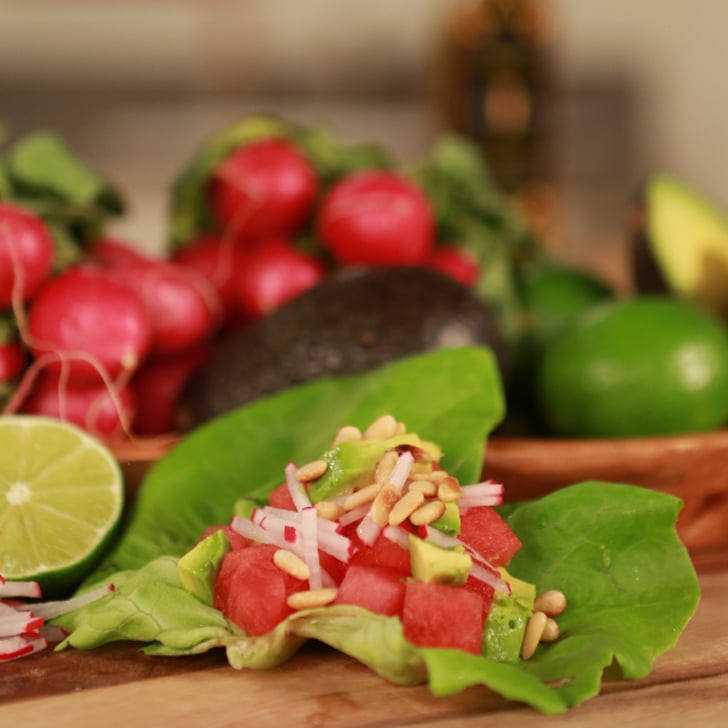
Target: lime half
pixel 61 498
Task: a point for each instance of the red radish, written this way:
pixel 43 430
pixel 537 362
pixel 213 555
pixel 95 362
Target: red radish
pixel 182 306
pixel 275 272
pixel 157 386
pixel 94 409
pixel 109 252
pixel 218 260
pixel 12 360
pixel 90 321
pixel 26 254
pixel 377 218
pixel 456 263
pixel 262 189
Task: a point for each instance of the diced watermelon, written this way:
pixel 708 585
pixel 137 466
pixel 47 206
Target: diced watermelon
pixel 237 540
pixel 252 591
pixel 436 615
pixel 486 592
pixel 281 498
pixel 332 566
pixel 484 530
pixel 376 588
pixel 382 552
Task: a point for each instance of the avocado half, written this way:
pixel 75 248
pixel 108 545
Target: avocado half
pixel 681 245
pixel 352 322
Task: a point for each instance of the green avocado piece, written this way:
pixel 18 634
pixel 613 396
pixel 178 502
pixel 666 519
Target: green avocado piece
pixel 198 567
pixel 352 464
pixel 434 564
pixel 681 245
pixel 507 620
pixel 244 507
pixel 449 521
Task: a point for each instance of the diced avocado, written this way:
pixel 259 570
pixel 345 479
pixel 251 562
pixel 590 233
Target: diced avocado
pixel 449 521
pixel 352 464
pixel 244 507
pixel 507 620
pixel 198 567
pixel 434 564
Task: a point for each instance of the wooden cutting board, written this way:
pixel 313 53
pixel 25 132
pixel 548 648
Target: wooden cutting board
pixel 319 687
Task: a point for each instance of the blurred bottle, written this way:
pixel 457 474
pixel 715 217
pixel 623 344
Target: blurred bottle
pixel 494 82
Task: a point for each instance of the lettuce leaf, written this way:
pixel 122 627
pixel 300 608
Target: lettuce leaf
pixel 243 453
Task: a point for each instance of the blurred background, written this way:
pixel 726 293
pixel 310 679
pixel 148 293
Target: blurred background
pixel 575 102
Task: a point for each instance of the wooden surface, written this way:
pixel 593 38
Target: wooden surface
pixel 319 687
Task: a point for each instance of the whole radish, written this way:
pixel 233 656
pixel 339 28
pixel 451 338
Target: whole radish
pixel 26 254
pixel 106 413
pixel 85 320
pixel 274 272
pixel 157 386
pixel 456 263
pixel 110 252
pixel 218 260
pixel 262 189
pixel 376 218
pixel 182 306
pixel 12 360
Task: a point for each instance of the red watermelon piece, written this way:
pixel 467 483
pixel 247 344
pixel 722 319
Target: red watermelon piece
pixel 375 588
pixel 237 540
pixel 484 530
pixel 436 615
pixel 382 552
pixel 486 592
pixel 252 591
pixel 281 498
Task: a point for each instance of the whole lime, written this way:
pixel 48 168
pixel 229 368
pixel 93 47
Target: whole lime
pixel 636 367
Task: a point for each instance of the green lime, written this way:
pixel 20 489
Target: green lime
pixel 641 366
pixel 61 498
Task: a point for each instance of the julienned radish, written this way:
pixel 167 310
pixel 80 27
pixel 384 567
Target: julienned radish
pixel 84 323
pixel 262 189
pixel 26 254
pixel 377 218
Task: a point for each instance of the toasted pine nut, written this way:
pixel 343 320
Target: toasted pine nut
pixel 382 505
pixel 347 433
pixel 328 510
pixel 291 564
pixel 426 487
pixel 381 429
pixel 428 513
pixel 311 471
pixel 552 602
pixel 551 631
pixel 532 636
pixel 362 496
pixel 448 490
pixel 435 476
pixel 385 466
pixel 311 598
pixel 405 507
pixel 400 429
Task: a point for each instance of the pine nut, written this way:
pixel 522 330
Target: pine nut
pixel 328 510
pixel 291 564
pixel 435 476
pixel 400 429
pixel 534 630
pixel 385 466
pixel 405 507
pixel 311 471
pixel 426 487
pixel 311 598
pixel 347 433
pixel 427 513
pixel 552 602
pixel 551 631
pixel 381 429
pixel 448 490
pixel 362 496
pixel 382 505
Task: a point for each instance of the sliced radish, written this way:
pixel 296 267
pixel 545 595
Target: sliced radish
pixel 311 546
pixel 296 488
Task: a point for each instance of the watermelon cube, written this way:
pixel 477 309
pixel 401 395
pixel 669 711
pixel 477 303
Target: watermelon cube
pixel 280 497
pixel 375 588
pixel 251 590
pixel 382 552
pixel 437 615
pixel 486 592
pixel 483 529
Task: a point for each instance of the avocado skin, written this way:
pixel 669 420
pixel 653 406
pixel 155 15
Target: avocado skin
pixel 352 322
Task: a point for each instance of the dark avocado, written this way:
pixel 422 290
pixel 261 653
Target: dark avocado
pixel 354 321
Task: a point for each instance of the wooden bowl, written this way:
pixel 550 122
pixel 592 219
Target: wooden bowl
pixel 691 467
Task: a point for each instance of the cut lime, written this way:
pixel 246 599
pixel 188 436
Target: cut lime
pixel 61 498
